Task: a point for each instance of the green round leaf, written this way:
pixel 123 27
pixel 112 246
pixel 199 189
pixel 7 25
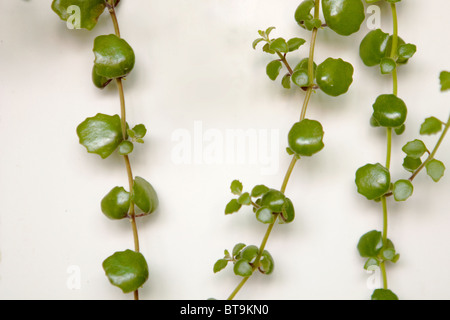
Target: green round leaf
pixel 370 244
pixel 343 16
pixel 127 270
pixel 266 263
pixel 402 190
pixel 250 253
pixel 373 47
pixel 306 137
pixel 389 111
pixel 373 181
pixel 116 203
pixel 144 196
pixel 236 187
pixel 243 268
pixel 87 12
pixel 139 131
pixel 300 78
pixel 265 215
pixel 334 76
pixel 435 169
pixel 384 294
pixel 114 58
pixel 101 134
pixel 287 212
pixel 245 199
pixel 273 200
pixel 387 65
pixel 125 147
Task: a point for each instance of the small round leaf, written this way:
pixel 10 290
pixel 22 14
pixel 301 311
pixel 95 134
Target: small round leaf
pixel 373 181
pixel 89 11
pixel 116 203
pixel 370 244
pixel 343 16
pixel 415 149
pixel 114 58
pixel 266 263
pixel 101 134
pixel 125 147
pixel 402 190
pixel 306 137
pixel 144 196
pixel 389 111
pixel 435 169
pixel 273 69
pixel 265 215
pixel 373 47
pixel 127 270
pixel 334 76
pixel 430 126
pixel 243 268
pixel 273 200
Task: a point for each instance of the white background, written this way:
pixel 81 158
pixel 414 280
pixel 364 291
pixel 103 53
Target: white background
pixel 195 63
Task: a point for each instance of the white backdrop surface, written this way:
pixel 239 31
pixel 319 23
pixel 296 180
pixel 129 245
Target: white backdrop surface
pixel 198 79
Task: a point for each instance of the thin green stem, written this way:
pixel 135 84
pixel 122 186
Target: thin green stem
pixel 294 158
pixel 389 148
pixel 394 47
pixel 123 122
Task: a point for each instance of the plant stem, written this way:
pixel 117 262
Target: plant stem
pixel 123 122
pixel 433 153
pixel 294 158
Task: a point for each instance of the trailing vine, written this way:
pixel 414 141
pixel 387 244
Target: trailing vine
pixel 104 135
pixel 333 77
pixel 389 52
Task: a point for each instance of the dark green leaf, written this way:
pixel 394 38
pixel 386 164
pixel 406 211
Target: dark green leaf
pixel 273 200
pixel 411 164
pixel 265 215
pixel 389 111
pixel 373 47
pixel 266 263
pixel 88 14
pixel 101 134
pixel 116 204
pixel 373 181
pixel 306 137
pixel 114 58
pixel 334 76
pixel 387 65
pixel 384 294
pixel 343 16
pixel 127 270
pixel 370 244
pixel 406 51
pixel 144 196
pixel 300 78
